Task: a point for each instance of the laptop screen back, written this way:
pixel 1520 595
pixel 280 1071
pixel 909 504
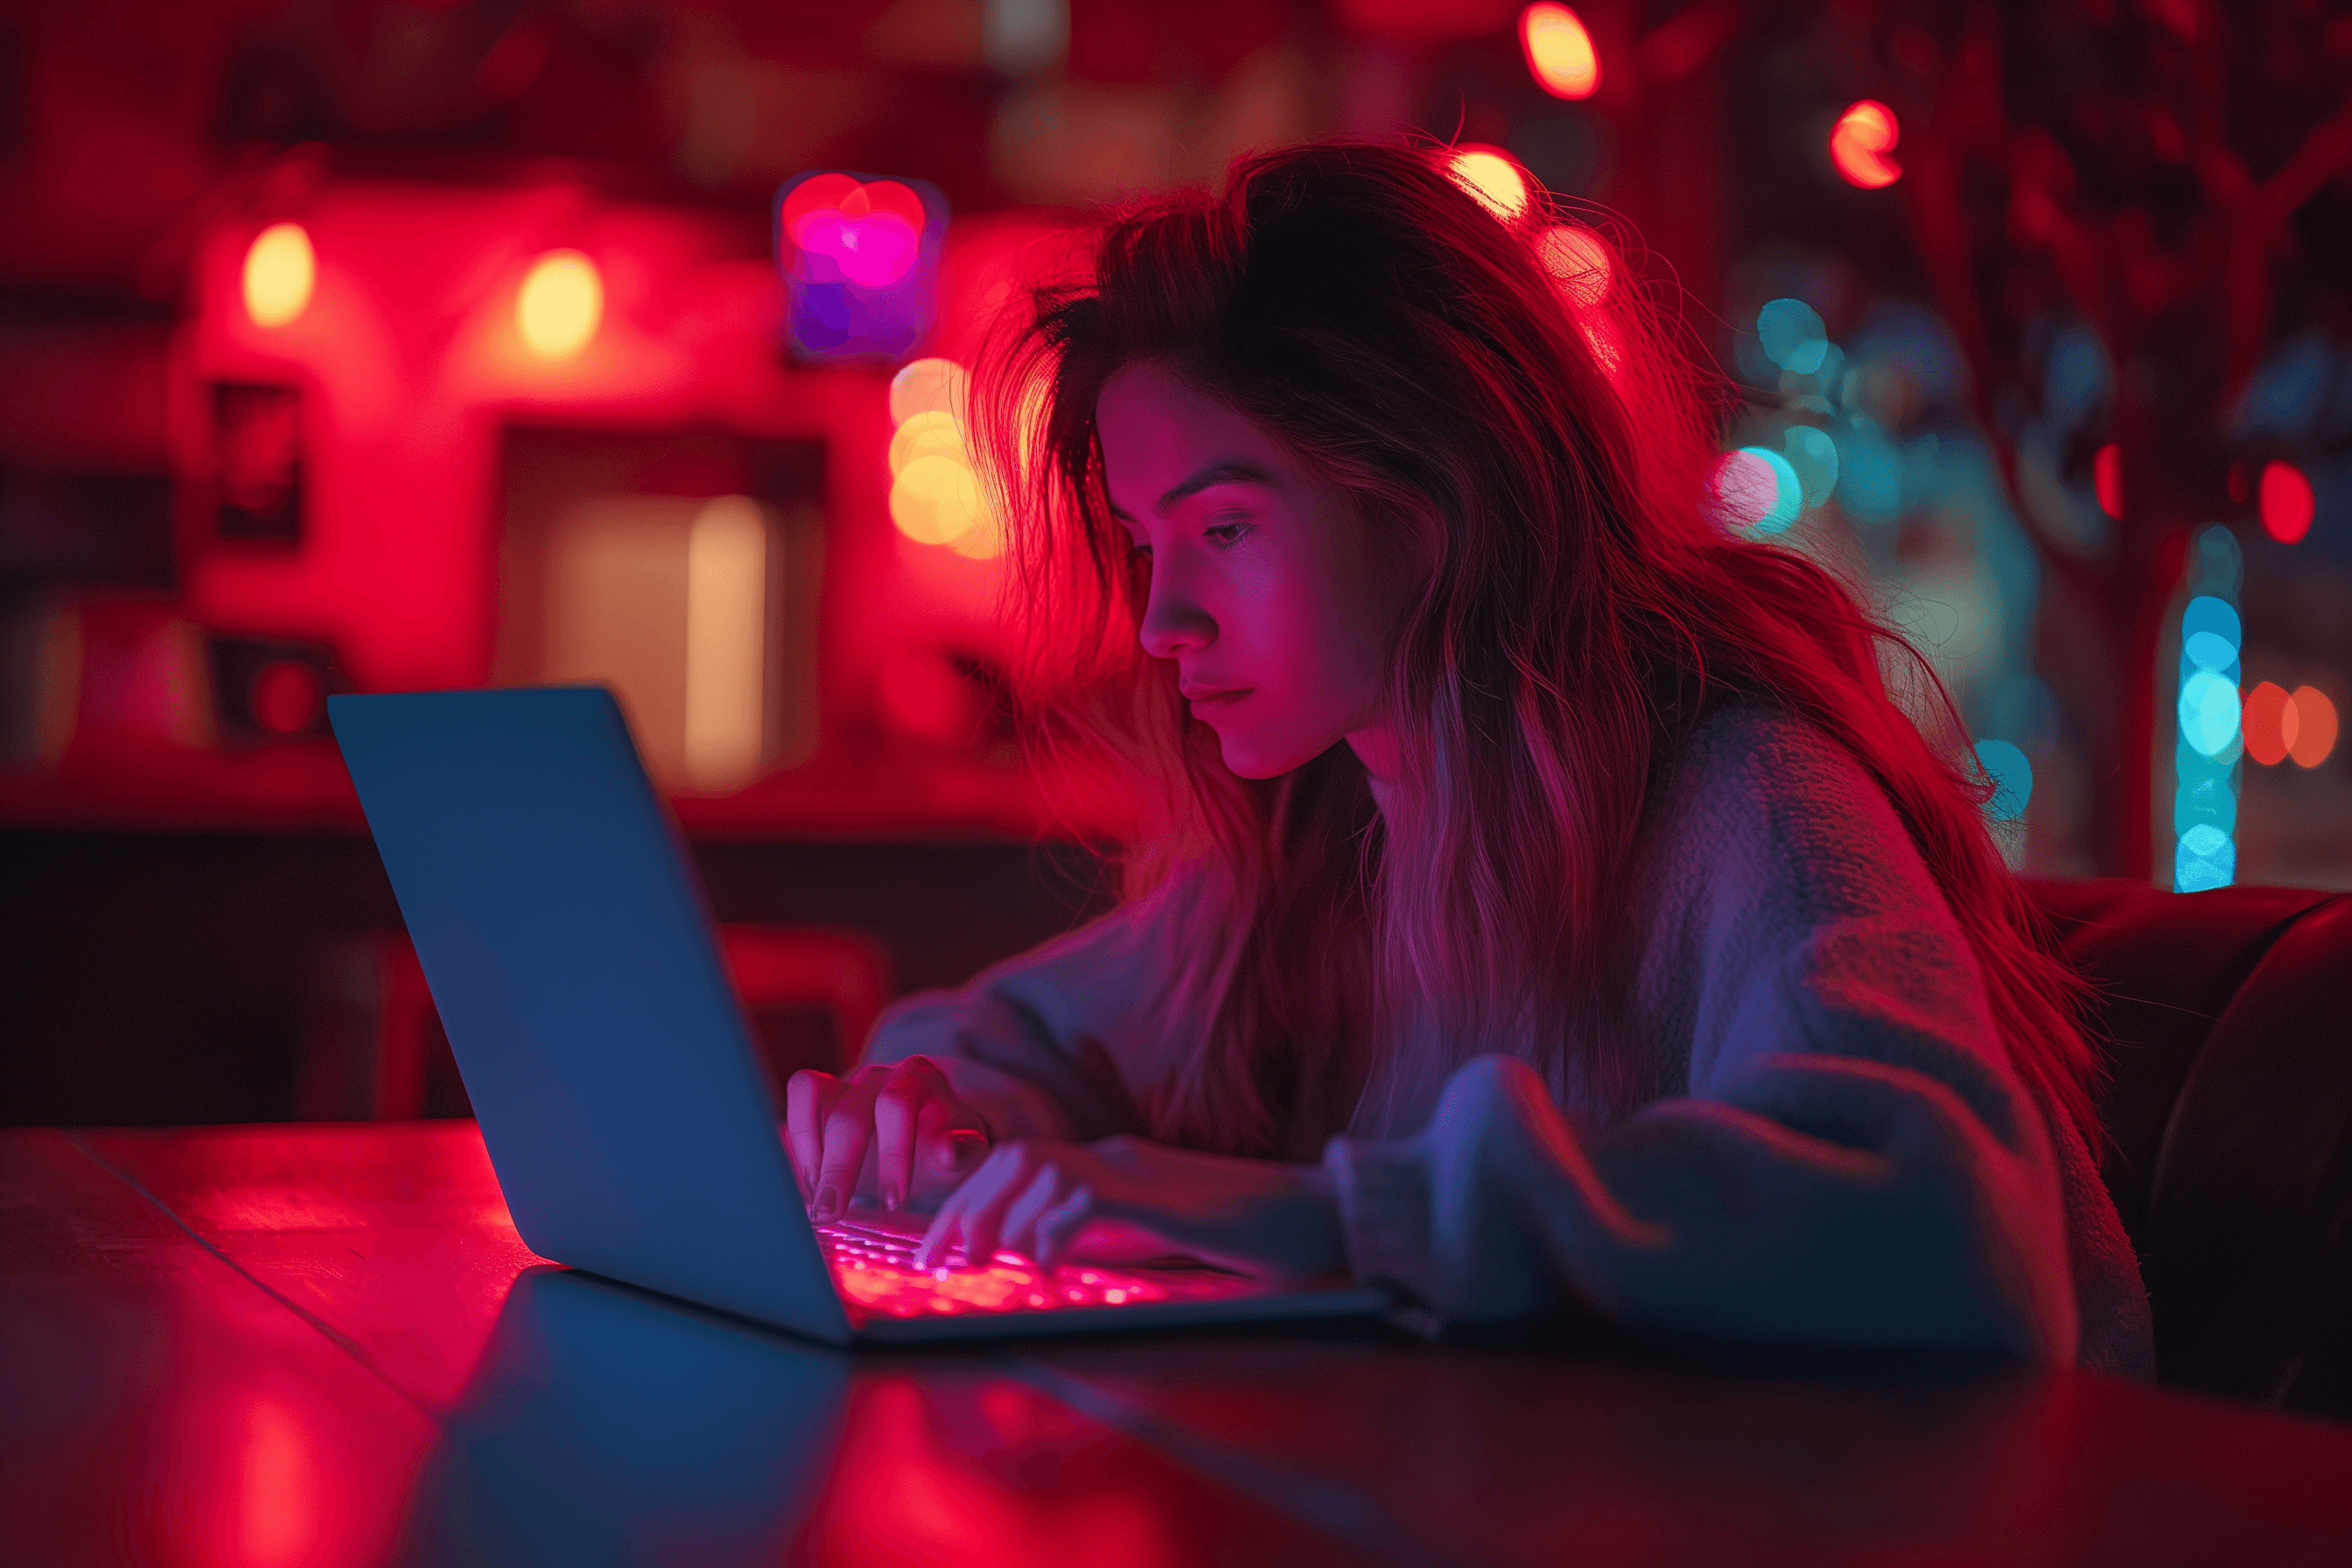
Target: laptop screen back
pixel 569 949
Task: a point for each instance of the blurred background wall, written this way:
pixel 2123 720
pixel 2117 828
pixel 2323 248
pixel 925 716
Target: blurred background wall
pixel 384 344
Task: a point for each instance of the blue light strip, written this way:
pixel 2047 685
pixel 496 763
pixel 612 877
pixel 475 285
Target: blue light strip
pixel 2205 756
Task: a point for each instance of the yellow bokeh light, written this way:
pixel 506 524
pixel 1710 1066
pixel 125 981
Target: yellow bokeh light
pixel 1560 55
pixel 936 499
pixel 280 270
pixel 984 540
pixel 1494 179
pixel 1578 261
pixel 928 434
pixel 929 386
pixel 561 305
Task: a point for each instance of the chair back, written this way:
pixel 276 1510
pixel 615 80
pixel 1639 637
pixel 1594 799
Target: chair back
pixel 2227 1020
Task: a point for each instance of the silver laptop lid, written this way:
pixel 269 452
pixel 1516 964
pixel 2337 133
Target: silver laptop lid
pixel 569 949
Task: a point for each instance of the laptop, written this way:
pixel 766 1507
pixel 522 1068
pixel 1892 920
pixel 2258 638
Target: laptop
pixel 569 949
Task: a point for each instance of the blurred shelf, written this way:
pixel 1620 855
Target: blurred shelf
pixel 877 794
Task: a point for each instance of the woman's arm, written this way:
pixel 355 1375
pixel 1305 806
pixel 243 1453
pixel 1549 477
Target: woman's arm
pixel 1852 1160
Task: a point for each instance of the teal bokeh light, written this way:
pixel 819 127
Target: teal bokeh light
pixel 2012 777
pixel 1789 491
pixel 2208 712
pixel 1793 336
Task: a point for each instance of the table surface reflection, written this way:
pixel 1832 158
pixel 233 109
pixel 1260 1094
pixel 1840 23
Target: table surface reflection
pixel 257 1347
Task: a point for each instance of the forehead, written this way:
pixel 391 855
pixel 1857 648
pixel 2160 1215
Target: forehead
pixel 1156 428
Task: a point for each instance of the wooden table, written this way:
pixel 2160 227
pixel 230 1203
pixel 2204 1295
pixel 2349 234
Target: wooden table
pixel 266 1347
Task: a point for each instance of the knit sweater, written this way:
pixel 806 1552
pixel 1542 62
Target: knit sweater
pixel 1842 1155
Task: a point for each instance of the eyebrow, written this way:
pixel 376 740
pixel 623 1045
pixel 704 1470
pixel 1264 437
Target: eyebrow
pixel 1223 471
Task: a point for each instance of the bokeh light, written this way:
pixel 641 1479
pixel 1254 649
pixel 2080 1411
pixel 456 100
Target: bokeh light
pixel 927 434
pixel 853 231
pixel 1813 457
pixel 1579 262
pixel 935 499
pixel 2212 734
pixel 929 386
pixel 1754 487
pixel 2107 478
pixel 561 305
pixel 2208 712
pixel 1490 174
pixel 2314 726
pixel 1860 142
pixel 2286 503
pixel 1793 336
pixel 860 259
pixel 280 271
pixel 2269 721
pixel 2012 777
pixel 2208 859
pixel 288 698
pixel 935 493
pixel 1559 51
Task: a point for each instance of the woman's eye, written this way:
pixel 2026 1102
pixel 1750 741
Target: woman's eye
pixel 1228 534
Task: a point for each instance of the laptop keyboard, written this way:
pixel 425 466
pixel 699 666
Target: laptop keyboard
pixel 874 1269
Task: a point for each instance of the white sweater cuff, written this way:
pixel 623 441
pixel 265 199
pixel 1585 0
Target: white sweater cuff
pixel 1383 1193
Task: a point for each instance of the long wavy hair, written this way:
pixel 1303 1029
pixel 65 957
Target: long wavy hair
pixel 1542 452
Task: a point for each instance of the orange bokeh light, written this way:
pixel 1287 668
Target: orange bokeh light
pixel 2314 728
pixel 1560 52
pixel 1578 261
pixel 2280 724
pixel 561 305
pixel 1488 173
pixel 2285 501
pixel 280 271
pixel 1860 142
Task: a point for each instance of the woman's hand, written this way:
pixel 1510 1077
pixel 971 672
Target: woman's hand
pixel 923 1138
pixel 1034 1197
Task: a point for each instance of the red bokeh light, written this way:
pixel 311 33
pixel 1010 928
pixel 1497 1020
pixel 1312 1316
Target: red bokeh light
pixel 2314 728
pixel 288 697
pixel 868 233
pixel 2280 724
pixel 2107 478
pixel 2286 503
pixel 2269 724
pixel 1860 142
pixel 1559 51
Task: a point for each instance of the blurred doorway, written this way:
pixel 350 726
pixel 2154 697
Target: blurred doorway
pixel 682 569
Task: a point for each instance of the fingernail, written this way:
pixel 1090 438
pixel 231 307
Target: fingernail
pixel 828 1201
pixel 891 1197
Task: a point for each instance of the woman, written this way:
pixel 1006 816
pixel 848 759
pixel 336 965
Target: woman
pixel 1540 903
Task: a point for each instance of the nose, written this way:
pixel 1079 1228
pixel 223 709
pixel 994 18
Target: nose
pixel 1174 622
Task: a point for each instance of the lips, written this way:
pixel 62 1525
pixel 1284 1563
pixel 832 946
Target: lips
pixel 1208 697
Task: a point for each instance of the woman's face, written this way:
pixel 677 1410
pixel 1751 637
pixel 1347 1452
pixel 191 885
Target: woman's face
pixel 1264 589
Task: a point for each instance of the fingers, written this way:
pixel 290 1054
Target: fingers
pixel 951 1141
pixel 898 1107
pixel 847 1128
pixel 807 1096
pixel 1018 1201
pixel 1061 1224
pixel 921 1128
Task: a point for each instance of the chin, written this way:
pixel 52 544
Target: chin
pixel 1250 759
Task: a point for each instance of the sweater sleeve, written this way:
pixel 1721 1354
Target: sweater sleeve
pixel 1056 1042
pixel 1850 1159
